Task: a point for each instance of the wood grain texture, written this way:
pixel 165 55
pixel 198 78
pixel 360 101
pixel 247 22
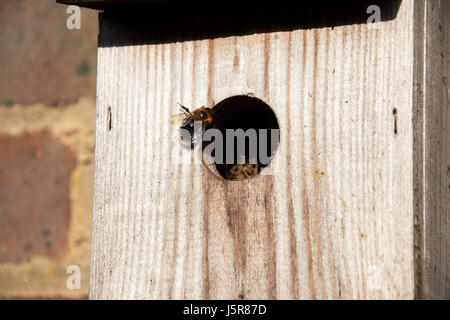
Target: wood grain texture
pixel 169 230
pixel 432 151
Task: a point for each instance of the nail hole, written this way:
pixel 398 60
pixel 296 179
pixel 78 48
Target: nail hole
pixel 395 114
pixel 109 118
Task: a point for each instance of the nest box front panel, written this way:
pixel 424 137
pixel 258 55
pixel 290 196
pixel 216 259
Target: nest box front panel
pixel 329 217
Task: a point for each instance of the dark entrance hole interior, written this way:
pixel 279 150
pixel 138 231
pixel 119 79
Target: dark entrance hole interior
pixel 245 112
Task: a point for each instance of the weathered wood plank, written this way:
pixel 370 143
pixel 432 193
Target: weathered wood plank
pixel 169 230
pixel 432 151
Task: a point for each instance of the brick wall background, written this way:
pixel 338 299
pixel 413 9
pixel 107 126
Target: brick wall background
pixel 47 127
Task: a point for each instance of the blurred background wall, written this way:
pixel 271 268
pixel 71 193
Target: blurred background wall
pixel 47 128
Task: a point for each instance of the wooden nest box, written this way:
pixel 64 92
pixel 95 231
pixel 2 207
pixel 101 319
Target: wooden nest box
pixel 354 202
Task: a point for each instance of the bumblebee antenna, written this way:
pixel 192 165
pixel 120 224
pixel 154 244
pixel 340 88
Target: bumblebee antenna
pixel 186 110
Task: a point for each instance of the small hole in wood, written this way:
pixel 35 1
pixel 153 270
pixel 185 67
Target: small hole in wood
pixel 109 118
pixel 250 133
pixel 395 114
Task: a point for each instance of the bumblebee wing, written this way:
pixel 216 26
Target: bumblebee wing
pixel 177 119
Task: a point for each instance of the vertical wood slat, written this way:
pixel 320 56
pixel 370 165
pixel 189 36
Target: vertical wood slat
pixel 167 230
pixel 432 151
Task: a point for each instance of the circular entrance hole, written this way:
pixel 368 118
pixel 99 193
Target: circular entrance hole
pixel 250 133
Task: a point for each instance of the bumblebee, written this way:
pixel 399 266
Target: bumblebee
pixel 188 122
pixel 241 171
pixel 187 118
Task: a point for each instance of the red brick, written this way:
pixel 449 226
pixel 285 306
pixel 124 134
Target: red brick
pixel 41 61
pixel 35 171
